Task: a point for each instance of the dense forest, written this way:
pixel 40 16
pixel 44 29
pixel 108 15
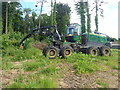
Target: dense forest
pixel 13 16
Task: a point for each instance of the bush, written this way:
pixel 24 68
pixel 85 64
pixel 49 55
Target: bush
pixel 10 47
pixel 85 66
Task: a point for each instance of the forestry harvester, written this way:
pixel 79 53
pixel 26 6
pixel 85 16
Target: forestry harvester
pixel 88 43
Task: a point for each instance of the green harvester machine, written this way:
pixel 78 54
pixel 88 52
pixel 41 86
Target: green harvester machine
pixel 88 43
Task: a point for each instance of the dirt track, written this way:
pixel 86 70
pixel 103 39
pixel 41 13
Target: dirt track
pixel 71 80
pixel 39 45
pixel 108 78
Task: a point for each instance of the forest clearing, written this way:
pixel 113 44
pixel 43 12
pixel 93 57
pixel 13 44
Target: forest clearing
pixel 28 68
pixel 41 48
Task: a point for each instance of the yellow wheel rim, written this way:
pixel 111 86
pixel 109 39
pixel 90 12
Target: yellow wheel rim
pixel 67 52
pixel 94 52
pixel 106 51
pixel 52 53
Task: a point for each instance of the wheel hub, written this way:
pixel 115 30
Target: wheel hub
pixel 67 52
pixel 94 52
pixel 52 53
pixel 106 51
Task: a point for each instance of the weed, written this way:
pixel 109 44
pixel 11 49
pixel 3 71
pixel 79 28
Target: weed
pixel 102 84
pixel 33 81
pixel 30 66
pixel 7 66
pixel 116 67
pixel 84 66
pixel 50 70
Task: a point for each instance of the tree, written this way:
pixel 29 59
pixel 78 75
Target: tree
pixel 1 17
pixel 98 4
pixel 45 21
pixel 83 10
pixel 80 7
pixel 12 17
pixel 88 18
pixel 16 16
pixel 54 14
pixel 62 17
pixel 27 20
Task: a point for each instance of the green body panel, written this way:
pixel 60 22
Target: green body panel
pixel 76 38
pixel 66 44
pixel 73 38
pixel 74 35
pixel 96 38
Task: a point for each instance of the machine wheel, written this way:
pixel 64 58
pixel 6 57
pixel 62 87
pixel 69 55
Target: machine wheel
pixel 93 51
pixel 66 51
pixel 51 52
pixel 105 51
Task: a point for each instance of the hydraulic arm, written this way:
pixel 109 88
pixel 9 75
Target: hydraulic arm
pixel 43 31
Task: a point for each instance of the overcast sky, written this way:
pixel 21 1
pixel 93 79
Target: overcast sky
pixel 107 25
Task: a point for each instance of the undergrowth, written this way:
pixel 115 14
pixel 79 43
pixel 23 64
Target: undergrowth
pixel 33 81
pixel 46 68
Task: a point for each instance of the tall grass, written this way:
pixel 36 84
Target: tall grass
pixel 33 81
pixel 10 47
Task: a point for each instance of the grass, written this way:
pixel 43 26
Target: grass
pixel 30 66
pixel 50 70
pixel 85 66
pixel 102 83
pixel 33 81
pixel 7 66
pixel 46 69
pixel 83 63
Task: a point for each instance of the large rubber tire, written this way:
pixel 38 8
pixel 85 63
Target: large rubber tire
pixel 93 51
pixel 51 52
pixel 66 51
pixel 105 51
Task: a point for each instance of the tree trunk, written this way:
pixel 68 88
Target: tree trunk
pixel 6 20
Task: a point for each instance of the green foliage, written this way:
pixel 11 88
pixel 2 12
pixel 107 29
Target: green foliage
pixel 33 81
pixel 14 15
pixel 30 66
pixel 50 70
pixel 63 18
pixel 116 67
pixel 111 61
pixel 102 83
pixel 81 7
pixel 10 47
pixel 88 20
pixel 85 66
pixel 83 63
pixel 79 56
pixel 54 13
pixel 96 22
pixel 7 65
pixel 45 20
pixel 12 39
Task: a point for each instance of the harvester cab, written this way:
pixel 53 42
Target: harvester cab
pixel 73 32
